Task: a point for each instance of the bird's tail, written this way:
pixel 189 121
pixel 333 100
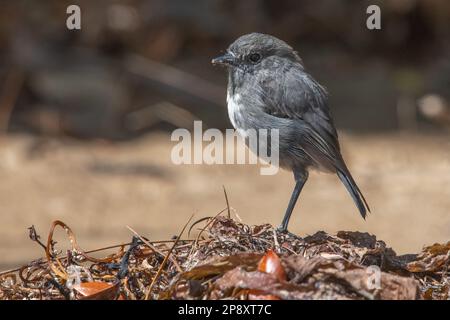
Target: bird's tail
pixel 354 191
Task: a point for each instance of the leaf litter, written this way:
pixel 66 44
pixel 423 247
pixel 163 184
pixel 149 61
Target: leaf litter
pixel 231 260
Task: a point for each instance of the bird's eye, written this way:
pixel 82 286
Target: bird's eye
pixel 254 57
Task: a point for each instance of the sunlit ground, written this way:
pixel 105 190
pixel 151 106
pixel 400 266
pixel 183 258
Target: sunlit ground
pixel 99 188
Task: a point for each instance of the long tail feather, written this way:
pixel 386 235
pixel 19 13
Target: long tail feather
pixel 354 191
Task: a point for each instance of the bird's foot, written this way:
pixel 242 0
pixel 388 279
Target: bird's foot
pixel 285 231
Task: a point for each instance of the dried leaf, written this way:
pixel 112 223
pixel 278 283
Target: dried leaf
pixel 359 239
pixel 97 290
pixel 390 287
pixel 271 264
pixel 220 265
pixel 238 278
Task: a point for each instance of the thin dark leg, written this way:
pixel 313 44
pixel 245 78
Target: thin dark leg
pixel 300 182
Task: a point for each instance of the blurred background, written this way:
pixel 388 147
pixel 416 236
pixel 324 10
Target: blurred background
pixel 86 117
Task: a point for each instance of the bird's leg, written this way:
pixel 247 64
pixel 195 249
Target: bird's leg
pixel 300 180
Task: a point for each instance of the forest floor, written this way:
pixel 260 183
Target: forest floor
pixel 99 188
pixel 230 260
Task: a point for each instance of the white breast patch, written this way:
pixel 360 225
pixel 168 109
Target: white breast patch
pixel 234 108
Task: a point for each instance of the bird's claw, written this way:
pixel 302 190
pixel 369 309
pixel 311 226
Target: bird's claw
pixel 285 231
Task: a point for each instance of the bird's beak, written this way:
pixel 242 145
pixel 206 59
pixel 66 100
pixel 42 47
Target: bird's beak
pixel 226 60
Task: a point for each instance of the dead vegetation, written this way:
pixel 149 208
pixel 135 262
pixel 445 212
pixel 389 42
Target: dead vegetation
pixel 231 260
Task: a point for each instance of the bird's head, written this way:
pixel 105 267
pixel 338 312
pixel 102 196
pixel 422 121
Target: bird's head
pixel 255 51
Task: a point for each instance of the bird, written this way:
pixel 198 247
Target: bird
pixel 269 88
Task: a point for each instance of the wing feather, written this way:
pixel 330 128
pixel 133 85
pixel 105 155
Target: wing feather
pixel 302 98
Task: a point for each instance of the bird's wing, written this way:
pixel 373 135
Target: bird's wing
pixel 298 96
pixel 301 99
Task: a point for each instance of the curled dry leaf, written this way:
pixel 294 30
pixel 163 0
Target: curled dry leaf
pixel 271 263
pixel 97 290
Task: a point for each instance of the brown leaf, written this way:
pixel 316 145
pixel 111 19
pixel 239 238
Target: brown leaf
pixel 97 290
pixel 255 280
pixel 318 238
pixel 391 287
pixel 301 268
pixel 359 239
pixel 220 265
pixel 271 263
pixel 358 278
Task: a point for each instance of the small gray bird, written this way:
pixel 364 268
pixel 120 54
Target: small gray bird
pixel 268 88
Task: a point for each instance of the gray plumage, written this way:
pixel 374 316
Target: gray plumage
pixel 268 88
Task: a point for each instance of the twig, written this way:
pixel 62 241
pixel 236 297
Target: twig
pixel 226 199
pixel 94 251
pixel 275 241
pixel 165 260
pixel 33 235
pixel 154 248
pixel 204 228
